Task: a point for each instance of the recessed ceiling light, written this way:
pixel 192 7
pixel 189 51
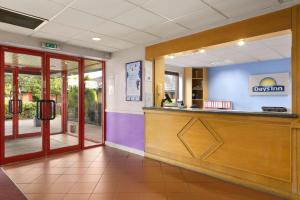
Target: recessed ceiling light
pixel 96 39
pixel 241 43
pixel 202 50
pixel 171 57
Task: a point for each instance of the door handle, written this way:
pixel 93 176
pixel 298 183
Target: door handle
pixel 11 109
pixel 40 109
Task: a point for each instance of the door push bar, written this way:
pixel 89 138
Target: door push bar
pixel 10 106
pixel 40 109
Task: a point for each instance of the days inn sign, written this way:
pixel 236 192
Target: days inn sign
pixel 269 84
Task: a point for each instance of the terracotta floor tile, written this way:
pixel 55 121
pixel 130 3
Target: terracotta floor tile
pixel 46 178
pixel 76 197
pixel 67 178
pixel 24 178
pixel 105 196
pixel 153 187
pixel 89 178
pixel 176 187
pixel 153 196
pixel 44 196
pixel 36 188
pixel 54 171
pixel 106 187
pixel 83 188
pixel 113 177
pixel 59 188
pixel 82 164
pixel 95 170
pixel 98 164
pixel 130 186
pixel 77 170
pixel 128 196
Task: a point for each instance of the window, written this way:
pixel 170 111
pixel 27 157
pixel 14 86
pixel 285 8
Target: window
pixel 171 86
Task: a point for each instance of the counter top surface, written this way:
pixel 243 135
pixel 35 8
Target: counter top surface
pixel 220 111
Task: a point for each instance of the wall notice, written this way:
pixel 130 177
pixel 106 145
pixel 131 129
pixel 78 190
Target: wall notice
pixel 134 81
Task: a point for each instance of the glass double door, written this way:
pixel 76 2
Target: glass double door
pixel 41 100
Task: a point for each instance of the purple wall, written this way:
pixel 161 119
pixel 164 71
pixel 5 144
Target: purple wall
pixel 125 129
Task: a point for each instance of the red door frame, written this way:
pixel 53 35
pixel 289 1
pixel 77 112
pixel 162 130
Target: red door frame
pixel 103 116
pixel 3 159
pixel 48 135
pixel 46 95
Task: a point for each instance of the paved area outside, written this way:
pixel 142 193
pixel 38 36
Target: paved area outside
pixel 92 132
pixel 22 146
pixel 19 146
pixel 105 173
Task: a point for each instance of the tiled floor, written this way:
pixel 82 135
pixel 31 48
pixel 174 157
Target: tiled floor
pixel 108 174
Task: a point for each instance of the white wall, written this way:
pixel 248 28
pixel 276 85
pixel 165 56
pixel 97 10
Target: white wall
pixel 115 81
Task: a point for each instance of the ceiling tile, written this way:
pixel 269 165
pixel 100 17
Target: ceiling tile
pixel 78 19
pixel 253 51
pixel 203 17
pixel 175 8
pixel 64 2
pixel 105 40
pixel 60 29
pixel 15 29
pixel 166 29
pixel 91 45
pixel 140 37
pixel 40 8
pixel 103 8
pixel 138 2
pixel 139 18
pixel 51 37
pixel 112 29
pixel 234 8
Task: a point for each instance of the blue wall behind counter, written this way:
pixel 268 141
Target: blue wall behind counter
pixel 231 83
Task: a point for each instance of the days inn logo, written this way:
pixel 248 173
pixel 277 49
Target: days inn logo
pixel 268 84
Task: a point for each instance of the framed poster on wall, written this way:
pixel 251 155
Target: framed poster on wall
pixel 134 81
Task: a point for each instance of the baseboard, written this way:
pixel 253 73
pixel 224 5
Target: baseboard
pixel 125 148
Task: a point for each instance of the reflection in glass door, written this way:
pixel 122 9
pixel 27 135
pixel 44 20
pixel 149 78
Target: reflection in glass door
pixel 23 86
pixel 64 90
pixel 93 93
pixel 8 79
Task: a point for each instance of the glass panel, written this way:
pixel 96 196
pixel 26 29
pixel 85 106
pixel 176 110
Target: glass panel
pixel 23 87
pixel 30 88
pixel 64 81
pixel 8 92
pixel 93 103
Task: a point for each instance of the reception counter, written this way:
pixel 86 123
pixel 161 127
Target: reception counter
pixel 255 149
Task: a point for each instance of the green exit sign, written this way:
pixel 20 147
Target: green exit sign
pixel 49 45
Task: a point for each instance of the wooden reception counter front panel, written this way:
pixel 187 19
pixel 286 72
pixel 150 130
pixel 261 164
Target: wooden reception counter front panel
pixel 252 150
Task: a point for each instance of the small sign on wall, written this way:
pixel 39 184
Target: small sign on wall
pixel 134 81
pixel 269 84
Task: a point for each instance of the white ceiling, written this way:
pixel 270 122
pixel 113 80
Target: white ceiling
pixel 123 24
pixel 276 47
